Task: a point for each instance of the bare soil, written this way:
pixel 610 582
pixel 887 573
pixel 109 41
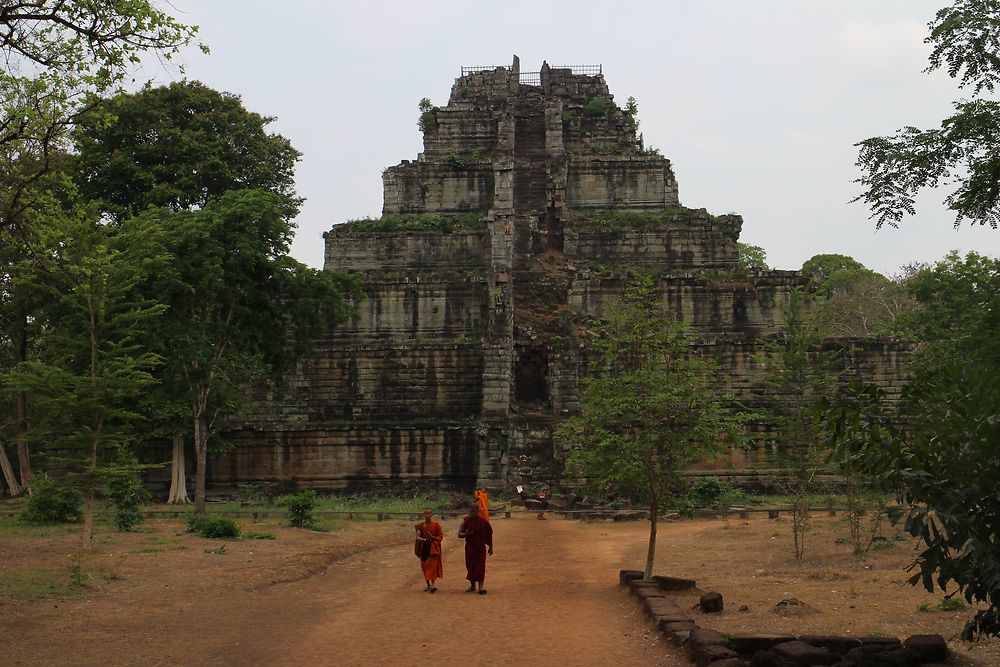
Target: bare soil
pixel 354 596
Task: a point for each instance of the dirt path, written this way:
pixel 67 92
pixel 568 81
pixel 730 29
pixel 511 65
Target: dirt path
pixel 552 599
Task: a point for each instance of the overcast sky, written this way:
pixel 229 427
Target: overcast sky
pixel 756 104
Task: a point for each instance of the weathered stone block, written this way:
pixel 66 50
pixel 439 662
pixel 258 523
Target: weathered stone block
pixel 748 644
pixel 840 645
pixel 711 603
pixel 930 648
pixel 806 655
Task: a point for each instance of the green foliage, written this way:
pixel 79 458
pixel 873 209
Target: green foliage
pixel 180 146
pixel 300 508
pixel 427 120
pixel 128 494
pixel 57 56
pixel 647 411
pixel 52 502
pixel 454 161
pixel 752 257
pixel 631 111
pixel 424 222
pixel 963 153
pixel 630 219
pixel 711 491
pixel 943 469
pixel 596 107
pixel 213 527
pixel 958 311
pixel 250 494
pixel 797 374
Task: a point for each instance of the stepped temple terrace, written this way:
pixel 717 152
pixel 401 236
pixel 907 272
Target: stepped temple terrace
pixel 532 204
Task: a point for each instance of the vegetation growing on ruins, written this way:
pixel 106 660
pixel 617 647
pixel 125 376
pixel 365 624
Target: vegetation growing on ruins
pixel 428 115
pixel 630 219
pixel 421 222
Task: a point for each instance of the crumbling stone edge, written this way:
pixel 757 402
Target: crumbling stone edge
pixel 706 647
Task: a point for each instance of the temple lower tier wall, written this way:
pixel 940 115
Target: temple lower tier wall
pixel 350 458
pixel 608 182
pixel 438 187
pixel 350 248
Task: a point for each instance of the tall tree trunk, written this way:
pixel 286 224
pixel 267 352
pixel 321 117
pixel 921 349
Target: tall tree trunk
pixel 201 460
pixel 654 506
pixel 21 422
pixel 88 517
pixel 178 474
pixel 8 473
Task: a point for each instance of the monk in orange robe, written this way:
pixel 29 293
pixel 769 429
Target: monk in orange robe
pixel 483 504
pixel 428 549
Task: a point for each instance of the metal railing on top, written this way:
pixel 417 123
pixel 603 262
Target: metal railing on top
pixel 473 69
pixel 584 70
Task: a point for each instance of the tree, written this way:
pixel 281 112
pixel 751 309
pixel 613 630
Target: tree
pixel 57 55
pixel 797 372
pixel 943 469
pixel 944 465
pixel 186 147
pixel 648 411
pixel 752 257
pixel 831 272
pixel 958 311
pixel 180 146
pixel 965 151
pixel 240 309
pixel 863 305
pixel 93 367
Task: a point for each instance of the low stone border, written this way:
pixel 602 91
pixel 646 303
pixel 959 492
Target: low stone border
pixel 706 647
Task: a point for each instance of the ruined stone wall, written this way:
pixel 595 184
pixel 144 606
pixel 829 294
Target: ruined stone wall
pixel 349 248
pixel 612 182
pixel 349 458
pixel 428 187
pixel 745 306
pixel 685 246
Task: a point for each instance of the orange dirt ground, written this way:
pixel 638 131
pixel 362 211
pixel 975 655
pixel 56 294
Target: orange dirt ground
pixel 354 596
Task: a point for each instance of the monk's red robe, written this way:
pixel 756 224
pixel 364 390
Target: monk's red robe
pixel 478 535
pixel 430 558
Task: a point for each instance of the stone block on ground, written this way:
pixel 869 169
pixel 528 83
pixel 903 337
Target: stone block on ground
pixel 839 645
pixel 730 662
pixel 674 583
pixel 882 655
pixel 711 603
pixel 625 576
pixel 712 654
pixel 651 587
pixel 930 648
pixel 800 653
pixel 749 643
pixel 884 642
pixel 674 628
pixel 701 638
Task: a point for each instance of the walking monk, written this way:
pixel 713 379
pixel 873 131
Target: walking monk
pixel 428 549
pixel 478 536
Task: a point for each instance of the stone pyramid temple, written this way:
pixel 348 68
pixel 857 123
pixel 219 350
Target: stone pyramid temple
pixel 532 204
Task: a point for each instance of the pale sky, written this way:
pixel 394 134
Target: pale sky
pixel 756 104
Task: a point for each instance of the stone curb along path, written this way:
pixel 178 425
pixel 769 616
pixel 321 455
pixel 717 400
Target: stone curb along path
pixel 706 647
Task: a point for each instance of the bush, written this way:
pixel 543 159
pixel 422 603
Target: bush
pixel 300 507
pixel 707 491
pixel 52 502
pixel 213 527
pixel 128 494
pixel 596 106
